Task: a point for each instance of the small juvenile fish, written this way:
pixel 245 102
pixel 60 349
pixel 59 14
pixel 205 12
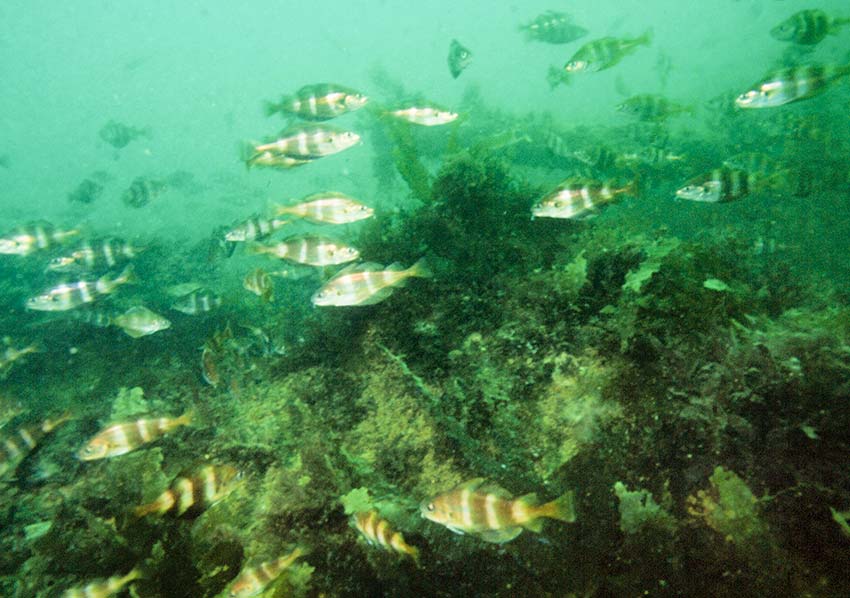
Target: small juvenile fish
pixel 312 250
pixel 193 493
pixel 33 237
pixel 459 58
pixel 141 191
pixel 426 116
pixel 308 142
pixel 553 27
pixel 366 284
pixel 252 581
pixel 807 27
pixel 791 84
pixel 329 207
pixel 260 283
pixel 15 447
pixel 86 192
pixel 254 229
pixel 489 512
pixel 139 321
pixel 121 438
pixel 651 107
pixel 10 355
pixel 320 101
pixel 197 302
pixel 119 135
pixel 103 588
pixel 575 198
pixel 97 254
pixel 651 155
pixel 71 295
pixel 603 53
pixel 378 532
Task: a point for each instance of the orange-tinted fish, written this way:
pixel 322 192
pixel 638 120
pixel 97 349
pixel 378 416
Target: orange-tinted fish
pixel 121 438
pixel 378 532
pixel 308 142
pixel 312 250
pixel 489 512
pixel 33 237
pixel 103 588
pixel 260 283
pixel 193 493
pixel 366 284
pixel 252 581
pixel 578 198
pixel 329 207
pixel 15 447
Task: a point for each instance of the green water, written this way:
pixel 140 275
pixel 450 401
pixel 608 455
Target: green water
pixel 680 367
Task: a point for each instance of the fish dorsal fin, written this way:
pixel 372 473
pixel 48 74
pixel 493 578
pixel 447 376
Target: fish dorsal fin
pixel 496 490
pixel 395 267
pixel 500 536
pixel 471 485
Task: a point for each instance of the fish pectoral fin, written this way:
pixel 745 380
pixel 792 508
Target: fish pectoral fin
pixel 378 296
pixel 455 530
pixel 500 536
pixel 535 525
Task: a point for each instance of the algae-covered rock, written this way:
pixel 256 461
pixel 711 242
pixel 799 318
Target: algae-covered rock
pixel 729 507
pixel 638 509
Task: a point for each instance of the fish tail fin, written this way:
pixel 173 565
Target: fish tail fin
pixel 256 248
pixel 556 77
pixel 187 418
pixel 146 509
pixel 135 573
pixel 646 38
pixel 127 276
pixel 247 152
pixel 414 554
pixel 562 508
pixel 420 269
pixel 270 108
pixel 634 186
pixel 52 423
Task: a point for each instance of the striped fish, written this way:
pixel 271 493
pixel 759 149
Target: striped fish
pixel 553 27
pixel 197 302
pixel 366 284
pixel 328 207
pixel 141 191
pixel 97 254
pixel 312 250
pixel 269 159
pixel 193 493
pixel 603 53
pixel 490 513
pixel 319 101
pixel 426 116
pixel 103 588
pixel 71 295
pixel 253 229
pixel 139 321
pixel 308 142
pixel 121 438
pixel 650 107
pixel 33 237
pixel 15 448
pixel 807 27
pixel 720 185
pixel 378 532
pixel 790 85
pixel 577 198
pixel 260 283
pixel 252 581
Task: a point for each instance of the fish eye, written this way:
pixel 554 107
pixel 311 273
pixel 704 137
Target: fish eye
pixel 430 507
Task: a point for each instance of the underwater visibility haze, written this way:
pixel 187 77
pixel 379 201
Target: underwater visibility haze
pixel 408 300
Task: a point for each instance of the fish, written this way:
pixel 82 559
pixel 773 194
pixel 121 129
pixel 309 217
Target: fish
pixel 489 512
pixel 119 135
pixel 377 532
pixel 140 321
pixel 318 102
pixel 71 295
pixel 197 302
pixel 367 284
pixel 756 163
pixel 426 116
pixel 182 289
pixel 193 492
pixel 32 237
pixel 328 207
pixel 604 53
pixel 253 580
pixel 254 229
pixel 577 198
pixel 9 355
pixel 269 159
pixel 14 448
pixel 209 366
pixel 260 283
pixel 309 142
pixel 792 84
pixel 92 317
pixel 598 157
pixel 96 254
pixel 553 27
pixel 141 191
pixel 103 588
pixel 86 192
pixel 807 27
pixel 123 437
pixel 313 250
pixel 651 107
pixel 460 57
pixel 725 184
pixel 651 155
